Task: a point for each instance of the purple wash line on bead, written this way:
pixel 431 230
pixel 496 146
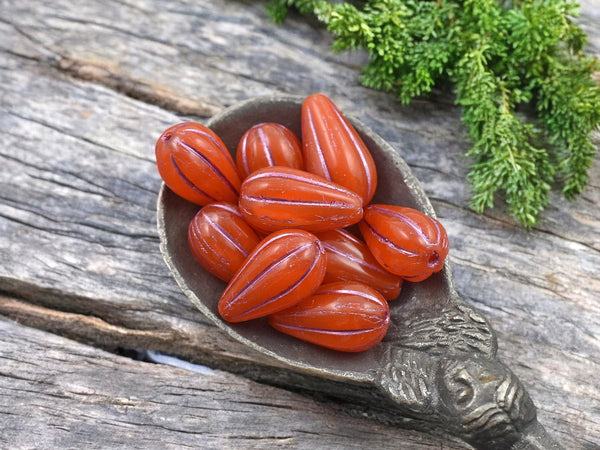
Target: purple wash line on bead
pixel 334 203
pixel 360 262
pixel 213 140
pixel 311 182
pixel 212 167
pixel 263 273
pixel 358 145
pixel 265 145
pixel 187 181
pixel 407 220
pixel 326 331
pixel 343 333
pixel 320 154
pixel 228 207
pixel 386 241
pixel 243 148
pixel 285 291
pixel 199 255
pixel 363 313
pixel 352 292
pixel 223 232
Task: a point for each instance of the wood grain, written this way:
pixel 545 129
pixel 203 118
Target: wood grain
pixel 56 393
pixel 85 89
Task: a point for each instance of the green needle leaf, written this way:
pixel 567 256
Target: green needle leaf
pixel 500 56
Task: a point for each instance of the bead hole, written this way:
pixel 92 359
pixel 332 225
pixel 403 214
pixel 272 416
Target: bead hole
pixel 434 258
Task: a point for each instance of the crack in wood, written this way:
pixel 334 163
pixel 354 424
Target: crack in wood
pixel 20 310
pixel 64 131
pixel 160 96
pixel 102 74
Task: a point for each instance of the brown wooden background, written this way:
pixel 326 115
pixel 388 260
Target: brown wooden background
pixel 86 87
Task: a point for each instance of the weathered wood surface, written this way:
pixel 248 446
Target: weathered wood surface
pixel 87 86
pixel 76 396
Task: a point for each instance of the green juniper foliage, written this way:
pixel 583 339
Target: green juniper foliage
pixel 500 56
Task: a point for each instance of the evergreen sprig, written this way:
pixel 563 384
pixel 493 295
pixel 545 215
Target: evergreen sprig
pixel 503 57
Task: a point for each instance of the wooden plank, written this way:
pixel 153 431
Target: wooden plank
pixel 56 393
pixel 86 90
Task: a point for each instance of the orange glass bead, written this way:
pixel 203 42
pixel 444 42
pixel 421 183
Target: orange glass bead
pixel 195 164
pixel 268 144
pixel 274 198
pixel 349 259
pixel 220 239
pixel 287 266
pixel 405 241
pixel 345 316
pixel 333 148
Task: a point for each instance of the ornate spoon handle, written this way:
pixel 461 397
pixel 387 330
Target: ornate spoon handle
pixel 475 398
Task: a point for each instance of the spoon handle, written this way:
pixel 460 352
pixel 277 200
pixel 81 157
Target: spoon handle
pixel 535 437
pixel 475 398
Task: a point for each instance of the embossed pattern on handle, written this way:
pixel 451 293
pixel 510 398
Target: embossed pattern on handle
pixel 461 387
pixel 483 402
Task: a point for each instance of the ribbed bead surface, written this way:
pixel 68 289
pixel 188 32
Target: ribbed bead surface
pixel 268 144
pixel 333 148
pixel 344 316
pixel 195 164
pixel 287 266
pixel 281 197
pixel 220 239
pixel 405 241
pixel 349 259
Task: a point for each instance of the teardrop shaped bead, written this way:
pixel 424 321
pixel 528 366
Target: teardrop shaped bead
pixel 285 267
pixel 345 316
pixel 274 198
pixel 333 148
pixel 268 144
pixel 220 239
pixel 195 164
pixel 405 241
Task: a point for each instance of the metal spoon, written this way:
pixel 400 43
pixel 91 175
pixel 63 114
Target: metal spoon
pixel 437 364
